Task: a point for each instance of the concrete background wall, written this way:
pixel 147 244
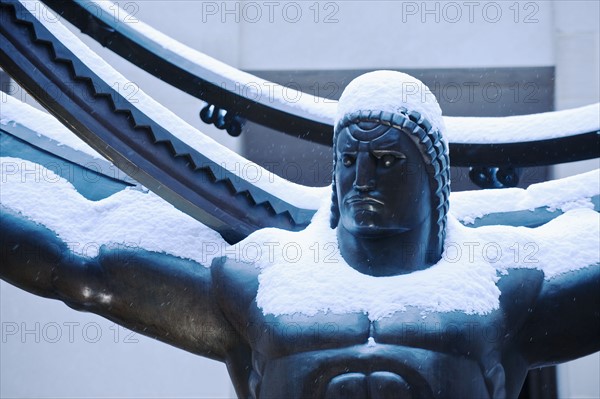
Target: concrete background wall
pixel 93 357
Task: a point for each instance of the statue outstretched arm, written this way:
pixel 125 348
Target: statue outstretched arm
pixel 157 295
pixel 564 323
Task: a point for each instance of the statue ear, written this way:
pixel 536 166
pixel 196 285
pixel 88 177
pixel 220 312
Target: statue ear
pixel 334 219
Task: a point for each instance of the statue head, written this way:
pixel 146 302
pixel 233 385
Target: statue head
pixel 391 167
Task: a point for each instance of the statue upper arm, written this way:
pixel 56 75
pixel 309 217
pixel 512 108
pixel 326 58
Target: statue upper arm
pixel 564 322
pixel 159 295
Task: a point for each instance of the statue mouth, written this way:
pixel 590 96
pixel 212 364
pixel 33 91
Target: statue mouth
pixel 359 200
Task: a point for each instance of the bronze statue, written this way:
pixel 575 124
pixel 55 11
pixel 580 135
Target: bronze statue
pixel 390 200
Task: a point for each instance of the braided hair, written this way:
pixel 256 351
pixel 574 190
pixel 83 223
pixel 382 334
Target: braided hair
pixel 435 154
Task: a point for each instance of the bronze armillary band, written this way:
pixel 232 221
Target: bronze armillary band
pixel 162 63
pixel 40 63
pixel 132 141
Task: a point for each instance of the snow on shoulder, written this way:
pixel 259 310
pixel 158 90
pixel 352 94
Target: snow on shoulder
pixel 389 91
pixel 307 274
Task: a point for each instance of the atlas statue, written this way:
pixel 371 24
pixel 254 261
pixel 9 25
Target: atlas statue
pixel 389 213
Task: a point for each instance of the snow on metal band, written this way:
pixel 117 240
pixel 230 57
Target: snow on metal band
pixel 295 194
pixel 468 130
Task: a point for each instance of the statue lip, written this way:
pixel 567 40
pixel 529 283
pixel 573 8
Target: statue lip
pixel 360 199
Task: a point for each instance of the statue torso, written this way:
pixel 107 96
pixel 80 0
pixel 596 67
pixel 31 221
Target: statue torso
pixel 407 355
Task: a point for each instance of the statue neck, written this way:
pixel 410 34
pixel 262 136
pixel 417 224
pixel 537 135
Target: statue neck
pixel 389 255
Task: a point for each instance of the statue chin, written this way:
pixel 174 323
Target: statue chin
pixel 370 226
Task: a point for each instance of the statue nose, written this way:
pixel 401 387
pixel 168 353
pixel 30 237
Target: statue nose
pixel 365 173
pixel 369 186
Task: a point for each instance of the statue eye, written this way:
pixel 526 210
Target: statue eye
pixel 348 160
pixel 388 160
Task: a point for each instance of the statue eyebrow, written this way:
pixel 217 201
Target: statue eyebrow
pixel 349 145
pixel 380 153
pixel 352 154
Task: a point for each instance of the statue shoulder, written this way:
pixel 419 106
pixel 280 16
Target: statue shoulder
pixel 521 282
pixel 520 289
pixel 234 281
pixel 227 268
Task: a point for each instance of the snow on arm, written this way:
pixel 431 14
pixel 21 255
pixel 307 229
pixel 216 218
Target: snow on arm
pixel 575 191
pixel 17 112
pixel 128 218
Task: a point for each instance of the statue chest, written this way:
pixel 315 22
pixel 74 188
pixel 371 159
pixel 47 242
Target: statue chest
pixel 349 356
pixel 275 336
pixel 453 333
pixel 422 353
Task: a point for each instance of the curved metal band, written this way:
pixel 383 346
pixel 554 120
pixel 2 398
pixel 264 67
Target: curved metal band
pixel 132 141
pixel 172 69
pixel 162 63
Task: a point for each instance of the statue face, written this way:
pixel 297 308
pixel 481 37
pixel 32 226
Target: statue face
pixel 382 184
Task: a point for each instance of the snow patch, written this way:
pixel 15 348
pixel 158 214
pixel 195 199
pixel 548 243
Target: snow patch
pixel 298 195
pixel 564 194
pixel 15 112
pixel 316 278
pixel 523 128
pixel 458 129
pixel 304 271
pixel 223 75
pixel 319 280
pixel 389 91
pixel 127 218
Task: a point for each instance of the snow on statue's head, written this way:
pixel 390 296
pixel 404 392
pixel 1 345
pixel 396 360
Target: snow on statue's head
pixel 381 101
